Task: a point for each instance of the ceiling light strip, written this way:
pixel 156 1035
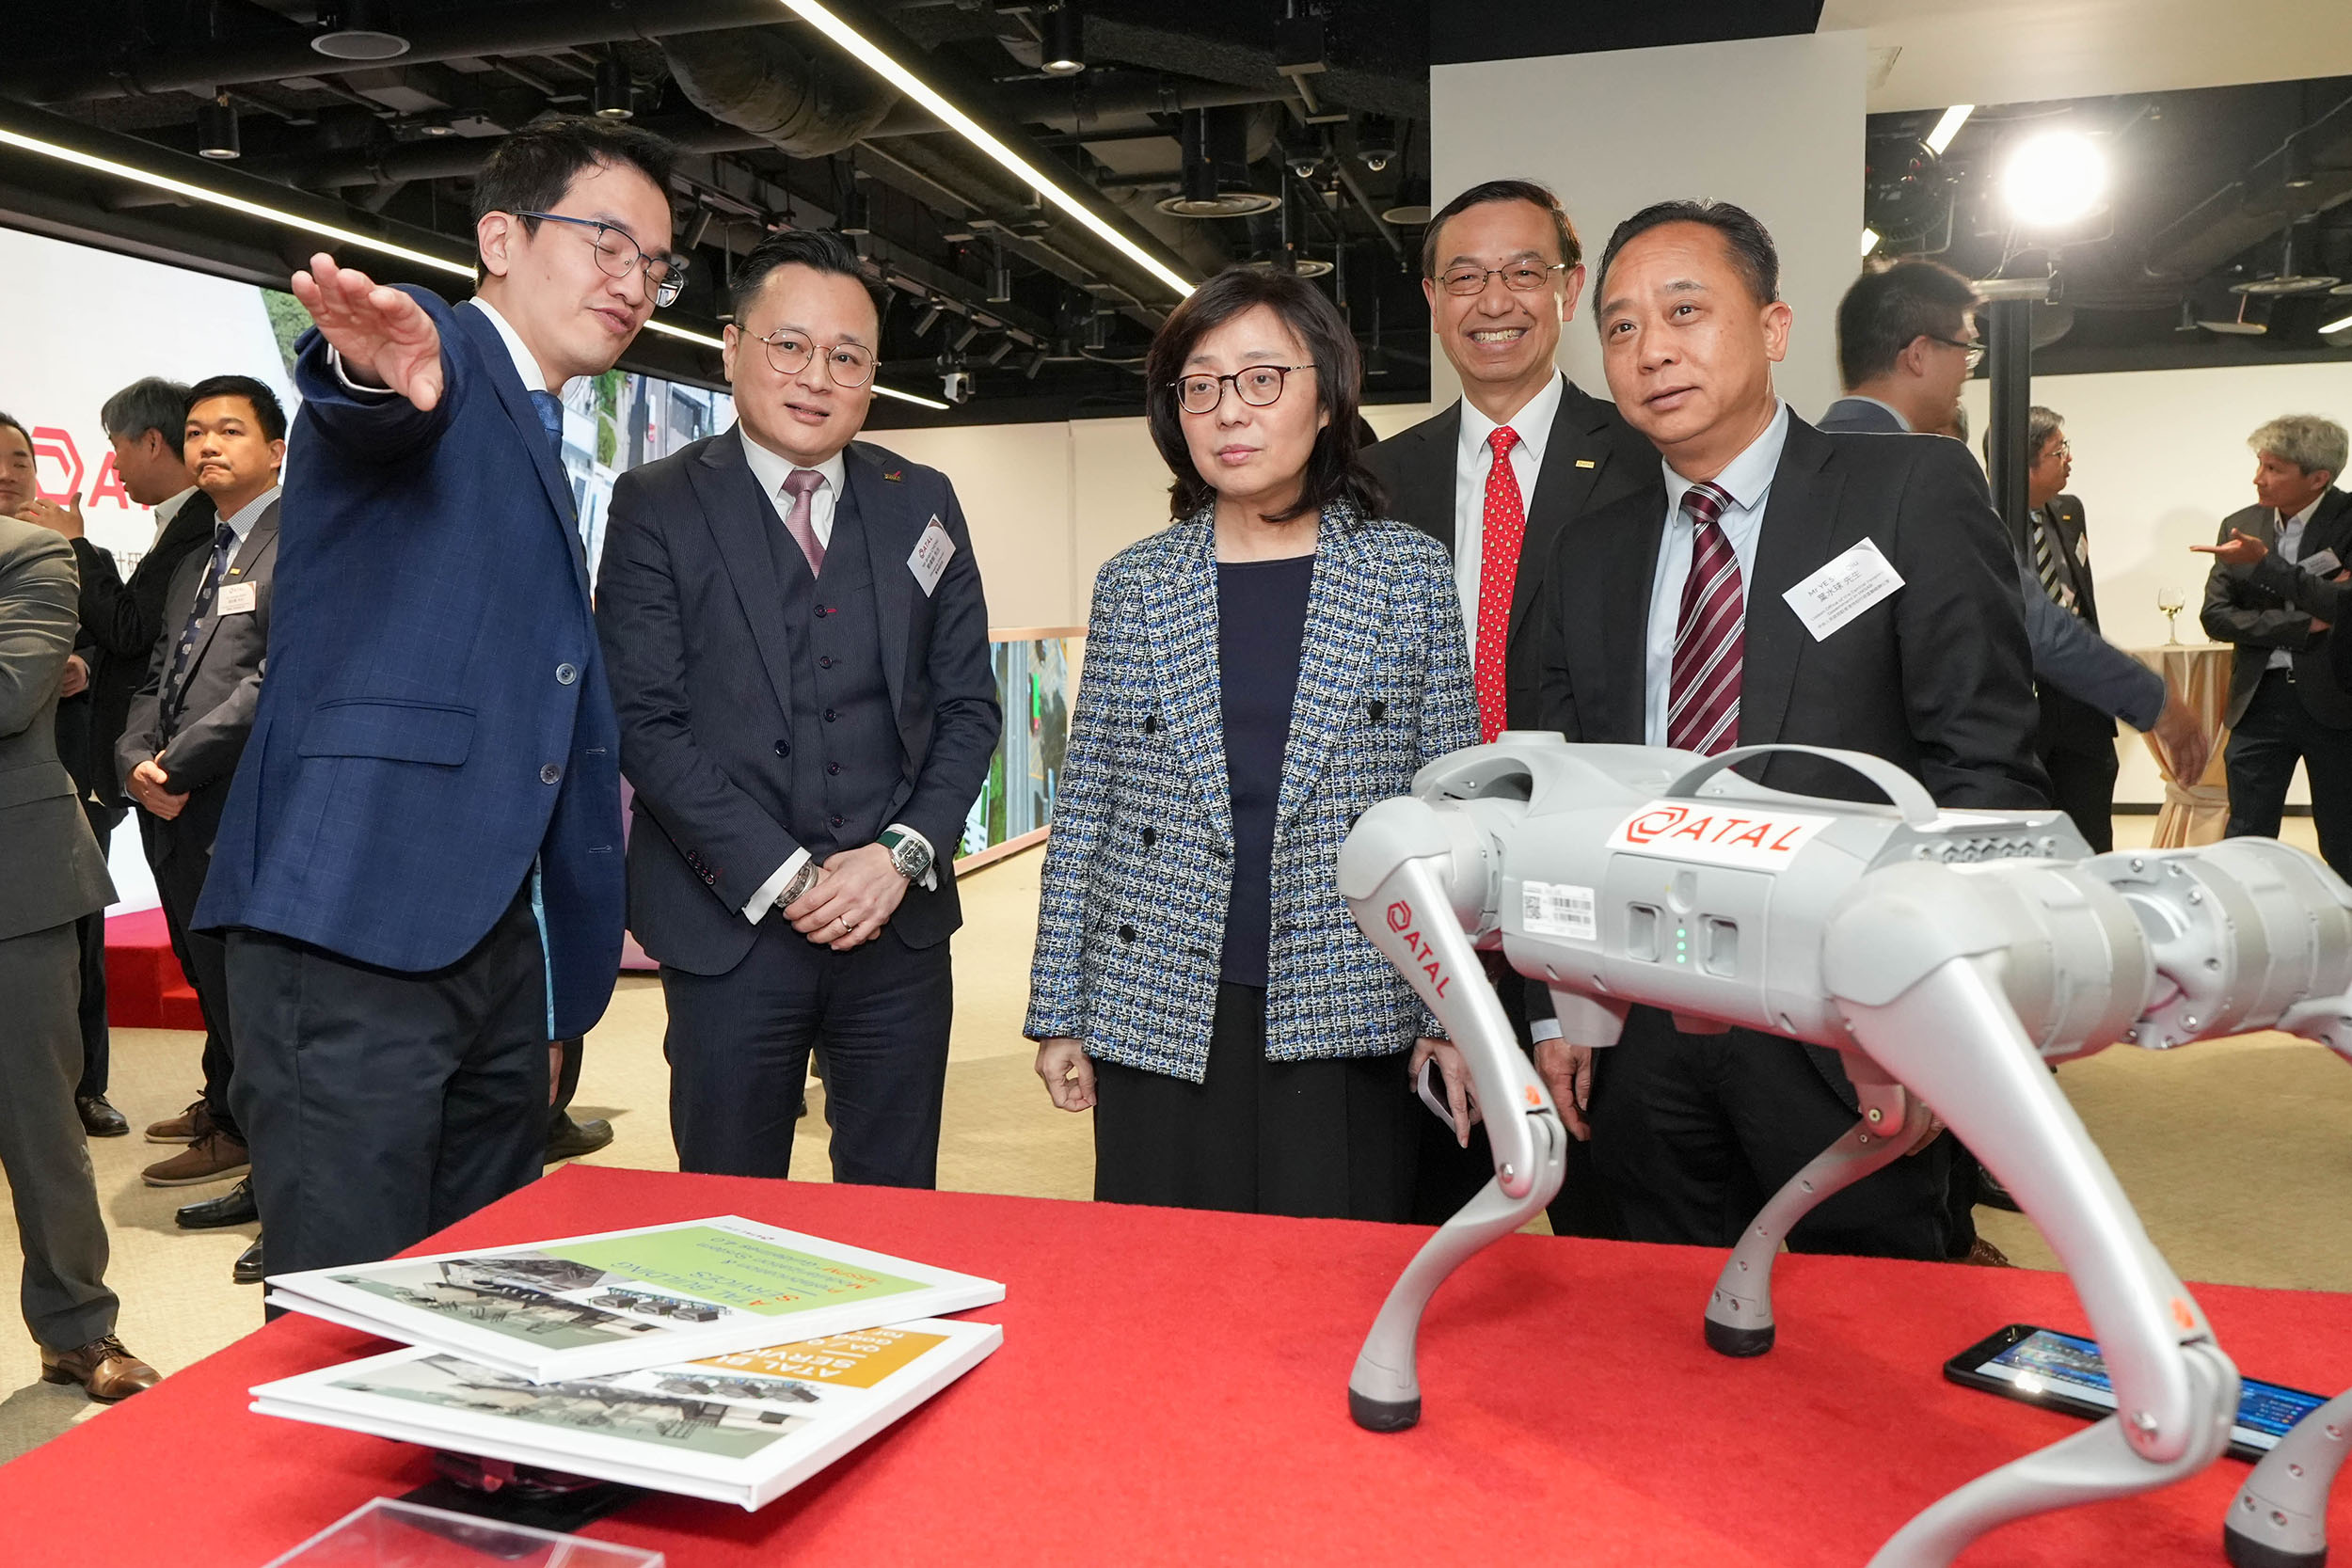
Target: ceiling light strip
pixel 1948 127
pixel 2336 326
pixel 313 226
pixel 1869 241
pixel 880 63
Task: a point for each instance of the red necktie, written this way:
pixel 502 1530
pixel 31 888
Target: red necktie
pixel 1703 699
pixel 1500 536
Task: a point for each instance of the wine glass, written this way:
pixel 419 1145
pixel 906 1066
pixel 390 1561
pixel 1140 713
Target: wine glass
pixel 2170 600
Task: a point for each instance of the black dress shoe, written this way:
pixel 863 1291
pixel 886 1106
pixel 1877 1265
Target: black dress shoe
pixel 247 1268
pixel 233 1206
pixel 571 1139
pixel 99 1120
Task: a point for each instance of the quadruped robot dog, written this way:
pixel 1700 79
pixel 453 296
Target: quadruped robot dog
pixel 1949 955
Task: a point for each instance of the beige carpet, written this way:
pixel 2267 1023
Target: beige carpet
pixel 2238 1152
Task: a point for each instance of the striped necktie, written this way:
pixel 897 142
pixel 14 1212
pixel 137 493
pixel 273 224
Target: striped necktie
pixel 207 591
pixel 2045 564
pixel 1710 636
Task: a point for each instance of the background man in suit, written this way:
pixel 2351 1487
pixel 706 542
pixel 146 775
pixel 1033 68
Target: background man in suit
pixel 2285 702
pixel 799 660
pixel 189 724
pixel 419 866
pixel 119 629
pixel 54 876
pixel 1502 269
pixel 2077 740
pixel 1665 623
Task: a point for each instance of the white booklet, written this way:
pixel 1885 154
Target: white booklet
pixel 742 1429
pixel 586 1305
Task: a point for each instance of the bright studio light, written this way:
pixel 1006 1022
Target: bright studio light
pixel 874 59
pixel 2053 180
pixel 1948 127
pixel 351 237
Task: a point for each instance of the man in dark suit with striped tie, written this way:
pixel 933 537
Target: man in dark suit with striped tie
pixel 1672 618
pixel 2076 740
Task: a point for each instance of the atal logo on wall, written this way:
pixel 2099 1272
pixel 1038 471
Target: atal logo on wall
pixel 58 470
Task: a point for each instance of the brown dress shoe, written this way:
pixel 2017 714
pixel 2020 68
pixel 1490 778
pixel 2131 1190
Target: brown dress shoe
pixel 1984 1254
pixel 104 1370
pixel 186 1128
pixel 214 1157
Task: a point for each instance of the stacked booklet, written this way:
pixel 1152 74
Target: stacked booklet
pixel 719 1358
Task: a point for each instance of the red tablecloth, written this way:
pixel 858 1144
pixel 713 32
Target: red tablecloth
pixel 1172 1388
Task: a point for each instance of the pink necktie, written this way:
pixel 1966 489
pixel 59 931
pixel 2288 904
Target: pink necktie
pixel 1502 531
pixel 1703 697
pixel 801 521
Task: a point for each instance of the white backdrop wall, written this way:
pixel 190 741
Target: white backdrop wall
pixel 1773 124
pixel 2160 458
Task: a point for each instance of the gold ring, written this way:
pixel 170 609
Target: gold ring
pixel 845 925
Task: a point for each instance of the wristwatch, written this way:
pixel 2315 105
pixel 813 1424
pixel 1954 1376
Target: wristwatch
pixel 795 890
pixel 909 853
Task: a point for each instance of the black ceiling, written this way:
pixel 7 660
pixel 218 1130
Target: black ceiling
pixel 1319 108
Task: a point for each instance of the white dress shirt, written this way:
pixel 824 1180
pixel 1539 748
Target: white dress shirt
pixel 526 367
pixel 772 470
pixel 1748 479
pixel 1473 459
pixel 240 522
pixel 2290 548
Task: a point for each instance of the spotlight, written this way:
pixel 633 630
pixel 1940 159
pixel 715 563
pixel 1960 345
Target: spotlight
pixel 1216 168
pixel 357 30
pixel 1037 363
pixel 1302 151
pixel 2296 166
pixel 1375 142
pixel 703 218
pixel 964 339
pixel 996 355
pixel 1411 208
pixel 614 91
pixel 930 319
pixel 1098 336
pixel 1064 54
pixel 216 130
pixel 852 219
pixel 956 385
pixel 2053 180
pixel 1000 283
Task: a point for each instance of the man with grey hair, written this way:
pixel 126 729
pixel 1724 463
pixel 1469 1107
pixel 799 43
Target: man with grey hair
pixel 2285 703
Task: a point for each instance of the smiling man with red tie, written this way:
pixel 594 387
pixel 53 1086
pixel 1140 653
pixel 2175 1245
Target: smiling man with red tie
pixel 1767 583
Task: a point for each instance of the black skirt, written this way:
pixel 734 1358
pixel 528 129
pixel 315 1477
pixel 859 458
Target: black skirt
pixel 1327 1139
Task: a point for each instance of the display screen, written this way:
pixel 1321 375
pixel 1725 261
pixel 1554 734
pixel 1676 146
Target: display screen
pixel 2051 1363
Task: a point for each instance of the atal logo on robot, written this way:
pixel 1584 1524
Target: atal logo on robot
pixel 1725 835
pixel 1416 947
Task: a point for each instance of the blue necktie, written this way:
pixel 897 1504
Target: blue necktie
pixel 551 409
pixel 224 545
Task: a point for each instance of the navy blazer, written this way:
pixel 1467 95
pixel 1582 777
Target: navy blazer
pixel 436 721
pixel 692 620
pixel 1139 866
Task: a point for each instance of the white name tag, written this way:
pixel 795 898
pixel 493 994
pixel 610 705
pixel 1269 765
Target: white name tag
pixel 1843 589
pixel 2322 565
pixel 236 598
pixel 932 553
pixel 1559 909
pixel 1718 833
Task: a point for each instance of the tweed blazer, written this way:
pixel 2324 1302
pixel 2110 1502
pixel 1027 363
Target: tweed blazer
pixel 1139 866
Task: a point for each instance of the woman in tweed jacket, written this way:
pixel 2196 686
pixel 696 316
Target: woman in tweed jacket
pixel 1256 676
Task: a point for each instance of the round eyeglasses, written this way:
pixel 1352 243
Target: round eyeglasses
pixel 1520 278
pixel 617 255
pixel 849 365
pixel 1258 386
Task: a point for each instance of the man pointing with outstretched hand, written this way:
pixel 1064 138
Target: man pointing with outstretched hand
pixel 419 870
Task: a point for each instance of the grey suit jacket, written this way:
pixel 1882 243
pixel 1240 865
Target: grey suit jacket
pixel 2239 610
pixel 209 713
pixel 55 873
pixel 2067 653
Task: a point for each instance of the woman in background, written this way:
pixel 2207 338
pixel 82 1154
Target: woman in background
pixel 1256 676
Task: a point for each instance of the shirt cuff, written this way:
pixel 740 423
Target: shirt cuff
pixel 360 389
pixel 1542 1029
pixel 928 881
pixel 764 899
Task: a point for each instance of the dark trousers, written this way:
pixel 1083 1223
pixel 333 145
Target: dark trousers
pixel 67 1303
pixel 382 1105
pixel 738 1045
pixel 2082 785
pixel 181 853
pixel 2274 732
pixel 1694 1132
pixel 1320 1139
pixel 566 1084
pixel 97 1046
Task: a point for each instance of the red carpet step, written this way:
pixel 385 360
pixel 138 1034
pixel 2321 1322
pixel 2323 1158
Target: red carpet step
pixel 145 988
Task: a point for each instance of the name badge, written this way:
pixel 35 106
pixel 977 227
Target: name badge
pixel 931 557
pixel 236 598
pixel 2323 564
pixel 1843 589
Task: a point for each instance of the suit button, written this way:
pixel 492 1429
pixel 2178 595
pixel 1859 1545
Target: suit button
pixel 784 747
pixel 832 768
pixel 1150 838
pixel 1150 723
pixel 1377 708
pixel 825 664
pixel 565 675
pixel 822 613
pixel 549 773
pixel 836 821
pixel 1126 933
pixel 829 716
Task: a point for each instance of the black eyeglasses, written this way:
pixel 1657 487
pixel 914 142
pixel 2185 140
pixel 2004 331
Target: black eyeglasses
pixel 617 255
pixel 1520 278
pixel 1258 386
pixel 1974 351
pixel 850 365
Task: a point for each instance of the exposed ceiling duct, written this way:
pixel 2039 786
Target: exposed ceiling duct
pixel 809 103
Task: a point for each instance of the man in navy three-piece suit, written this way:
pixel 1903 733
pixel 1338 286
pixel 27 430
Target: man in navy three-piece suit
pixel 800 661
pixel 418 865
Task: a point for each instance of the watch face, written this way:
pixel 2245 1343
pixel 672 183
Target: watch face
pixel 911 859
